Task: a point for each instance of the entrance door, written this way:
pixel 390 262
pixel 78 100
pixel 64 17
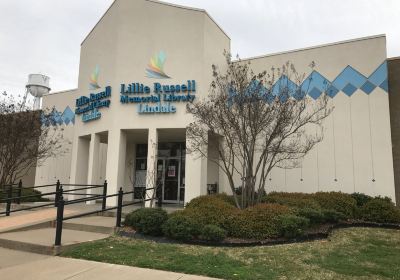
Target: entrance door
pixel 168 177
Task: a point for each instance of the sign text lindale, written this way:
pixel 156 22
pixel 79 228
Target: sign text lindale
pixel 162 95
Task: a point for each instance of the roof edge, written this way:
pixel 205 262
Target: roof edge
pixel 393 58
pixel 192 9
pixel 316 47
pixel 162 3
pixel 90 32
pixel 61 91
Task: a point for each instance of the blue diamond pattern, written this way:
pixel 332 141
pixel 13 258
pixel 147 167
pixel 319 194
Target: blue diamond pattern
pixel 379 75
pixel 315 80
pixel 284 84
pixel 368 87
pixel 348 81
pixel 68 115
pixel 315 93
pixel 332 91
pixel 385 85
pixel 349 75
pixel 349 89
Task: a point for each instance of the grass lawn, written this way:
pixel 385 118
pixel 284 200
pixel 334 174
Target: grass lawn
pixel 354 253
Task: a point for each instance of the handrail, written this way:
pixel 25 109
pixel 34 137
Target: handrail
pixel 78 185
pixel 136 202
pixel 15 184
pixel 80 189
pixel 87 199
pixel 29 208
pixel 93 194
pixel 26 196
pixel 60 203
pixel 38 187
pixel 13 193
pixel 84 199
pixel 60 211
pixel 88 213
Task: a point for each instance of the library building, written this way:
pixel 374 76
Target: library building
pixel 145 60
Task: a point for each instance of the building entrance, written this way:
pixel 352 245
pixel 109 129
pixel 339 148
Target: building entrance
pixel 169 177
pixel 170 172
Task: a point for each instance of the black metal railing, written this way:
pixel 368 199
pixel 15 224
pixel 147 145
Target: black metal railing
pixel 61 205
pixel 14 192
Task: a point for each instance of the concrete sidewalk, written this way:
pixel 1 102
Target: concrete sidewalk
pixel 28 266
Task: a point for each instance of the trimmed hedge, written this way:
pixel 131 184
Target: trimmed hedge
pixel 147 220
pixel 292 225
pixel 210 209
pixel 338 201
pixel 361 198
pixel 215 217
pixel 260 221
pixel 380 210
pixel 212 233
pixel 180 227
pixel 296 200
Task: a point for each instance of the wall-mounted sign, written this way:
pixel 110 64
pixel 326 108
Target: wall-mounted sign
pixel 89 106
pixel 162 96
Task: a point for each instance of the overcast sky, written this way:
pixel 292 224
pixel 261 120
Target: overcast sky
pixel 44 36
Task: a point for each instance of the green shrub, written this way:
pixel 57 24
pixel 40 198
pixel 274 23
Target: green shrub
pixel 288 195
pixel 338 201
pixel 213 233
pixel 259 221
pixel 147 220
pixel 227 198
pixel 297 200
pixel 361 198
pixel 332 216
pixel 180 227
pixel 380 210
pixel 316 216
pixel 210 209
pixel 293 226
pixel 320 216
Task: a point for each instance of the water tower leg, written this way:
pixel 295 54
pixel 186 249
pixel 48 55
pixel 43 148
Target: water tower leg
pixel 36 103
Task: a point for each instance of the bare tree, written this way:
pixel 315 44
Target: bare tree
pixel 27 139
pixel 256 122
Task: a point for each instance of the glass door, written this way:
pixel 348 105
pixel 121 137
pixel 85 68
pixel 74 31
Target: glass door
pixel 168 177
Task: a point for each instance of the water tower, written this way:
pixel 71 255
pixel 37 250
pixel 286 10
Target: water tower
pixel 37 86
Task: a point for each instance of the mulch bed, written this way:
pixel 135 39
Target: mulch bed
pixel 315 233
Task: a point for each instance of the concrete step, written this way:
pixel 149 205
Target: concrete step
pixel 96 224
pixel 41 241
